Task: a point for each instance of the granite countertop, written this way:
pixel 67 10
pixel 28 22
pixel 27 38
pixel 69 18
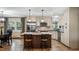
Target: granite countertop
pixel 36 33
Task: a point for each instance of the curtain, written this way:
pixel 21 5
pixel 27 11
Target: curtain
pixel 5 24
pixel 23 24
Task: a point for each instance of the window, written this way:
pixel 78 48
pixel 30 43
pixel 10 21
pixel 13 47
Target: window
pixel 15 24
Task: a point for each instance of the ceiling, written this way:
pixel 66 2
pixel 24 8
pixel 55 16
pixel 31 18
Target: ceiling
pixel 35 11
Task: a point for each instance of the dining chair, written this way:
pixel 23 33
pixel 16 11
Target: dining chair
pixel 1 38
pixel 9 31
pixel 4 39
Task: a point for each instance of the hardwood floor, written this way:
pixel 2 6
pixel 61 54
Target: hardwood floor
pixel 17 45
pixel 57 46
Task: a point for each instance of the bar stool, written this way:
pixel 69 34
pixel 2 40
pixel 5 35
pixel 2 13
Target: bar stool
pixel 44 41
pixel 28 42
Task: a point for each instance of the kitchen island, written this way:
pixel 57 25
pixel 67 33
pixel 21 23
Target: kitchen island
pixel 36 38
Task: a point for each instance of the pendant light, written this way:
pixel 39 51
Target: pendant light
pixel 42 20
pixel 2 17
pixel 29 15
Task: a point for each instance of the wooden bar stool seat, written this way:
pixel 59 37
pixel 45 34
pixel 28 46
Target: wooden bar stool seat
pixel 28 42
pixel 44 41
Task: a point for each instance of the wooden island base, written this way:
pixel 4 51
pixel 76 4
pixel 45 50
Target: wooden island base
pixel 36 40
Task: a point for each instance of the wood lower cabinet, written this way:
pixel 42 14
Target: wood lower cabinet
pixel 36 40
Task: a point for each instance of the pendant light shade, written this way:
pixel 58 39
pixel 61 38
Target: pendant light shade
pixel 42 20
